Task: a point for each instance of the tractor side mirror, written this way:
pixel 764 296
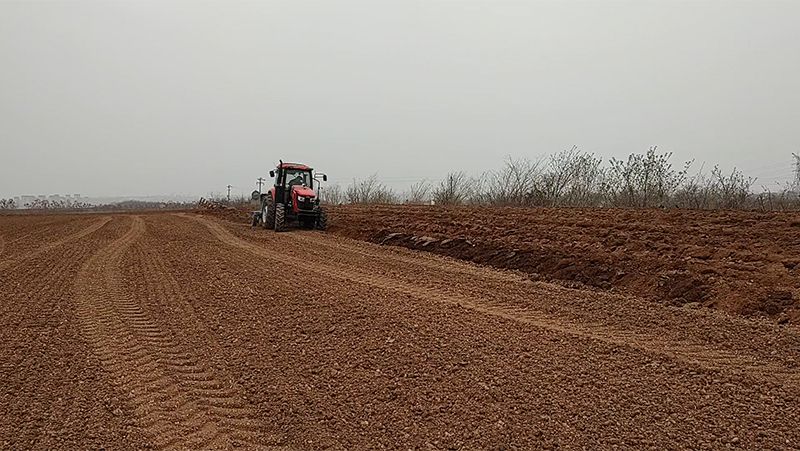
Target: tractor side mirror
pixel 324 177
pixel 255 195
pixel 272 173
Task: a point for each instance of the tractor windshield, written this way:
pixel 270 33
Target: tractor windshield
pixel 298 177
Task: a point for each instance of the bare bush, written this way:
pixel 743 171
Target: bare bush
pixel 696 192
pixel 717 190
pixel 732 190
pixel 571 178
pixel 786 199
pixel 644 180
pixel 511 184
pixel 333 195
pixel 370 191
pixel 574 178
pixel 588 183
pixel 419 193
pixel 455 189
pixel 7 204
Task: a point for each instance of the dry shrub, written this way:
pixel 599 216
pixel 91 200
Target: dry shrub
pixel 370 191
pixel 457 188
pixel 419 193
pixel 571 178
pixel 715 191
pixel 575 178
pixel 643 180
pixel 511 184
pixel 332 195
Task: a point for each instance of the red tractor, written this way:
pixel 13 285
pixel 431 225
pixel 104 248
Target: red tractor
pixel 292 198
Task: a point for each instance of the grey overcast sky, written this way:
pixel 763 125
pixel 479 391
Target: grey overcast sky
pixel 165 97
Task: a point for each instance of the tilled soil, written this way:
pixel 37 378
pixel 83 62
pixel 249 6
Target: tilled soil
pixel 179 331
pixel 740 262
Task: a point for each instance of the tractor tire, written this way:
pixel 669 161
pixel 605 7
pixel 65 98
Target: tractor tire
pixel 268 213
pixel 322 220
pixel 280 217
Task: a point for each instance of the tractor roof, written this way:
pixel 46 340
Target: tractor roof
pixel 298 166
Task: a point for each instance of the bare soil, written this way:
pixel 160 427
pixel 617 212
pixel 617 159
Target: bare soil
pixel 184 331
pixel 739 262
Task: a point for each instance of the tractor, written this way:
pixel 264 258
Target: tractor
pixel 292 199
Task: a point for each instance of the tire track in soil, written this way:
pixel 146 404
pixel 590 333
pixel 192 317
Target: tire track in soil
pixel 91 228
pixel 35 295
pixel 176 399
pixel 682 352
pixel 223 401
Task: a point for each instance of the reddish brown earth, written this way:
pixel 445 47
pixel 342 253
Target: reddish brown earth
pixel 740 262
pixel 180 331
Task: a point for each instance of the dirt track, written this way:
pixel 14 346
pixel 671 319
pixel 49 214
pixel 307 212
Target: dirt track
pixel 183 331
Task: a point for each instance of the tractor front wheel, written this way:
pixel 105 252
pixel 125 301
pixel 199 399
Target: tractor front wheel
pixel 280 217
pixel 268 213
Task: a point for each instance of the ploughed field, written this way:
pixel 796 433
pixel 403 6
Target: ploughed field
pixel 185 331
pixel 739 262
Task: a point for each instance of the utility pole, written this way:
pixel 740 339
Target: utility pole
pixel 229 193
pixel 259 182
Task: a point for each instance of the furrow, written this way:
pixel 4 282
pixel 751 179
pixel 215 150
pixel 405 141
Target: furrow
pixel 685 353
pixel 86 231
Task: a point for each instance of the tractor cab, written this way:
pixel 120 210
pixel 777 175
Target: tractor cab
pixel 292 198
pixel 294 186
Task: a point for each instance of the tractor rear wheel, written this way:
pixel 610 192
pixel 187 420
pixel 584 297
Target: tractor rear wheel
pixel 280 217
pixel 268 213
pixel 322 220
